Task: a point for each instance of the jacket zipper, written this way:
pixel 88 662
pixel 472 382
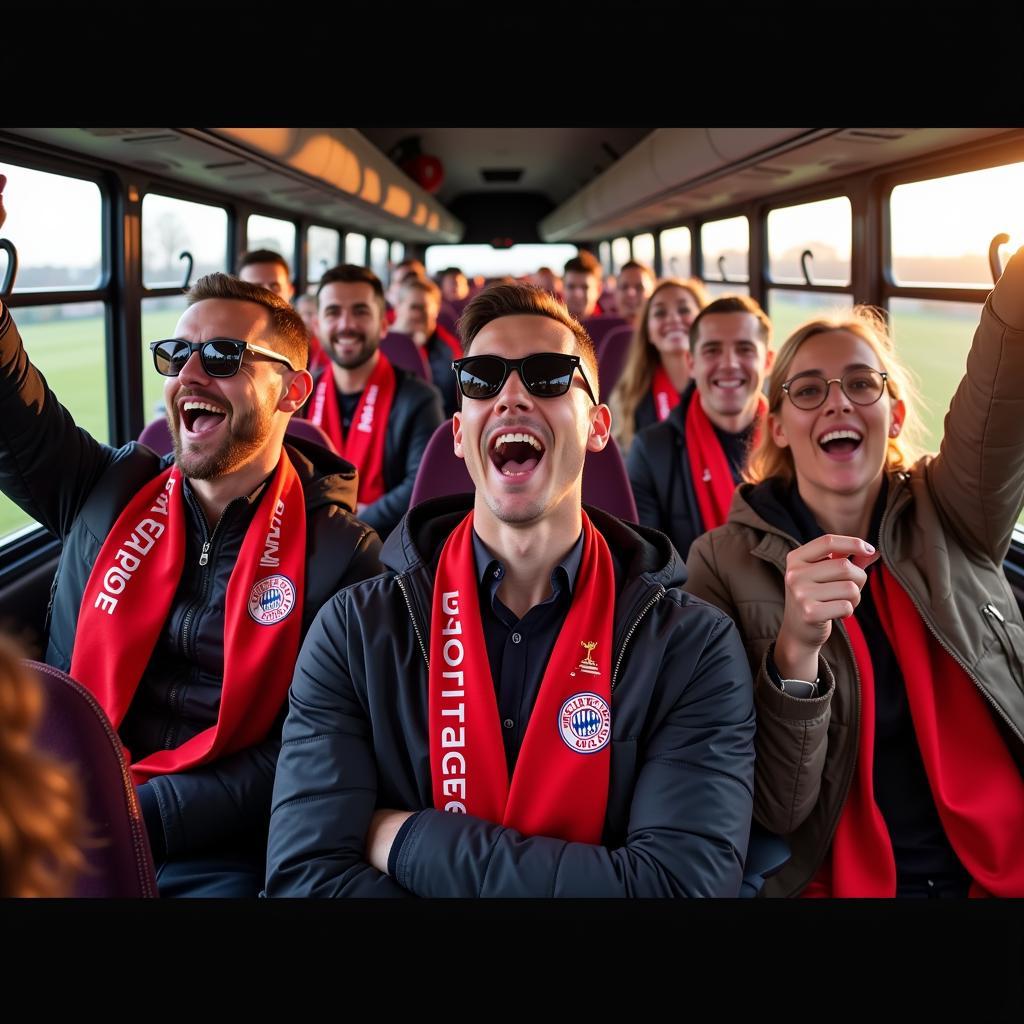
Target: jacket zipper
pixel 415 624
pixel 622 652
pixel 632 629
pixel 1003 634
pixel 193 608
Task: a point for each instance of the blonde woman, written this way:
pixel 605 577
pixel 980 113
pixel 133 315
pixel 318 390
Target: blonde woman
pixel 656 372
pixel 886 646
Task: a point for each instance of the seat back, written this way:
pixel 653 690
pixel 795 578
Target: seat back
pixel 157 435
pixel 76 731
pixel 401 351
pixel 605 481
pixel 611 360
pixel 598 327
pixel 309 431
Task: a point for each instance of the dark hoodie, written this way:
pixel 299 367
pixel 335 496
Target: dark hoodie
pixel 680 791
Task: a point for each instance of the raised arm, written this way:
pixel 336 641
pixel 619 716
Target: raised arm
pixel 977 479
pixel 48 466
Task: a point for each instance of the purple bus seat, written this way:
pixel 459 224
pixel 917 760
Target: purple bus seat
pixel 309 432
pixel 605 481
pixel 611 360
pixel 401 351
pixel 157 435
pixel 448 316
pixel 76 731
pixel 598 327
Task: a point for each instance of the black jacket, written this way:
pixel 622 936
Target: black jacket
pixel 77 488
pixel 415 415
pixel 680 794
pixel 659 472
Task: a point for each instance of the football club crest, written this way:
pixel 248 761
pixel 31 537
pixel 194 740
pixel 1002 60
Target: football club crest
pixel 585 723
pixel 271 600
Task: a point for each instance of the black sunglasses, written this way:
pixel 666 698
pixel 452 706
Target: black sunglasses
pixel 221 357
pixel 544 374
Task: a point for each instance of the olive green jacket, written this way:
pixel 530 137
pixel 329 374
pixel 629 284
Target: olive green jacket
pixel 946 528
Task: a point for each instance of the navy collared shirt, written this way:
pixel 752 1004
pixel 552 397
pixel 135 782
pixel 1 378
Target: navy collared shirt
pixel 518 649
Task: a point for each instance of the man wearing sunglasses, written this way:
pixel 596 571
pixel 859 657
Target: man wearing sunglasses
pixel 186 583
pixel 525 703
pixel 684 470
pixel 379 416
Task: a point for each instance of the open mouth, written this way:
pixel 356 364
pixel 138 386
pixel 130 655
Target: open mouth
pixel 516 453
pixel 200 417
pixel 729 383
pixel 840 443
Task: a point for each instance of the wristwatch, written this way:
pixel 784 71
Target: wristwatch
pixel 792 687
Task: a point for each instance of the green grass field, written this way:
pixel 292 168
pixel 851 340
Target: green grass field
pixel 934 340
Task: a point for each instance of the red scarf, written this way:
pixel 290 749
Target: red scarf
pixel 560 784
pixel 450 340
pixel 318 358
pixel 364 444
pixel 130 591
pixel 977 788
pixel 709 468
pixel 666 398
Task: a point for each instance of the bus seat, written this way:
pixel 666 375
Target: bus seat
pixel 76 731
pixel 598 327
pixel 611 359
pixel 605 481
pixel 401 351
pixel 448 316
pixel 157 435
pixel 309 431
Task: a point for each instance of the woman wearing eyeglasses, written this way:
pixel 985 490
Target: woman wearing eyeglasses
pixel 886 645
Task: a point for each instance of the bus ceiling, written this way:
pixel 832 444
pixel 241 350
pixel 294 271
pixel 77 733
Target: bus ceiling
pixel 520 184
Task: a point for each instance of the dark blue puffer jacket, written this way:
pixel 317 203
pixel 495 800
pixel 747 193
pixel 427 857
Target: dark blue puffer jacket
pixel 682 764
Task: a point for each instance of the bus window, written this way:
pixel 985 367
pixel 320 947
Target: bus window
pixel 825 228
pixel 726 243
pixel 604 256
pixel 788 309
pixel 172 226
pixel 270 233
pixel 485 259
pixel 675 253
pixel 643 249
pixel 933 339
pixel 323 246
pixel 941 228
pixel 160 316
pixel 620 254
pixel 55 224
pixel 67 344
pixel 397 253
pixel 355 248
pixel 379 257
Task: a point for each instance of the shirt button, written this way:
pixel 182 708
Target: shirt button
pixel 508 723
pixel 516 637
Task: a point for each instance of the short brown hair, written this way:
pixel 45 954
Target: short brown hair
pixel 418 284
pixel 636 265
pixel 247 259
pixel 501 300
pixel 734 304
pixel 353 273
pixel 583 263
pixel 289 332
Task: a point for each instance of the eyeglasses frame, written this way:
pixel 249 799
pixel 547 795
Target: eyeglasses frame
pixel 836 380
pixel 197 346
